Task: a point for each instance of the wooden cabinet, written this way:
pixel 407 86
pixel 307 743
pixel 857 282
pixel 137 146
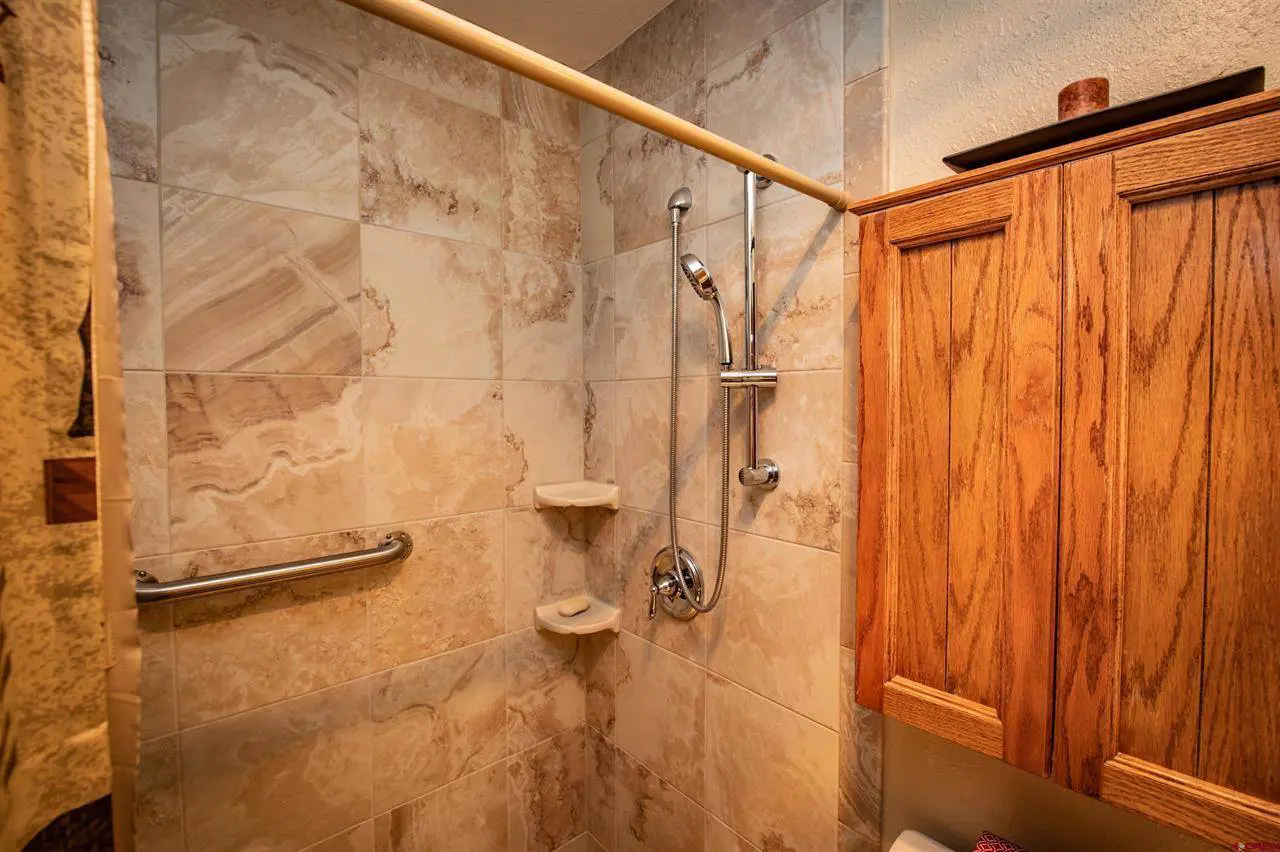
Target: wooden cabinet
pixel 1069 533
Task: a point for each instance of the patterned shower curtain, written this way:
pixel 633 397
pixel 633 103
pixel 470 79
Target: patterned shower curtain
pixel 68 635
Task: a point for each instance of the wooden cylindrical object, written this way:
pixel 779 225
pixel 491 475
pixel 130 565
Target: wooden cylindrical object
pixel 466 36
pixel 1084 96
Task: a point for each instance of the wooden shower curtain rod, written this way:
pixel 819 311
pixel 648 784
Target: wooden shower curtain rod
pixel 466 36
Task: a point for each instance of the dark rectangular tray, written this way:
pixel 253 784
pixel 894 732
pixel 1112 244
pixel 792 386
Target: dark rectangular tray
pixel 1247 82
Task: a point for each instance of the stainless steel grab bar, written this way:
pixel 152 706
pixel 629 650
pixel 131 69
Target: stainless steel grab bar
pixel 150 590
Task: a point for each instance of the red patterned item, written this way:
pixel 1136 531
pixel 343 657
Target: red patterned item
pixel 989 842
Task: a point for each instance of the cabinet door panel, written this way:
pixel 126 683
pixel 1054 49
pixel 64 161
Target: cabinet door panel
pixel 959 462
pixel 1167 479
pixel 1240 723
pixel 921 634
pixel 1171 507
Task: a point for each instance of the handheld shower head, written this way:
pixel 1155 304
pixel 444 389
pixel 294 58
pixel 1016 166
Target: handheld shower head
pixel 705 286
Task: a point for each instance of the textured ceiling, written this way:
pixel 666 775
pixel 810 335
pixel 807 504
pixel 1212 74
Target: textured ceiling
pixel 575 32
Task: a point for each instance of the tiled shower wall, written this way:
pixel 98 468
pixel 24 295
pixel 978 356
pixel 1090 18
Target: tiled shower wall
pixel 351 303
pixel 736 730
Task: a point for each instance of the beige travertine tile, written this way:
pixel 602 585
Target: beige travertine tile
pixel 427 164
pixel 593 121
pixel 358 839
pixel 598 426
pixel 798 283
pixel 327 27
pixel 436 720
pixel 137 210
pixel 241 650
pixel 642 312
pixel 863 38
pixel 394 51
pixel 546 551
pixel 780 96
pixel 665 54
pixel 640 535
pixel 541 213
pixel 654 815
pixel 602 556
pixel 770 772
pixel 259 289
pixel 597 199
pixel 776 630
pixel 537 107
pixel 721 838
pixel 469 815
pixel 601 788
pixel 541 319
pixel 147 443
pixel 432 448
pixel 432 307
pixel 600 665
pixel 598 321
pixel 255 118
pixel 734 25
pixel 159 711
pixel 253 458
pixel 544 686
pixel 861 732
pixel 800 429
pixel 546 794
pixel 648 167
pixel 852 379
pixel 864 136
pixel 281 776
pixel 643 445
pixel 157 810
pixel 661 711
pixel 543 429
pixel 446 595
pixel 127 51
pixel 849 555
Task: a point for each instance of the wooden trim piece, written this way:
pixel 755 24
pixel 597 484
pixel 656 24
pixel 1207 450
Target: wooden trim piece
pixel 426 19
pixel 964 722
pixel 1232 110
pixel 1029 468
pixel 873 436
pixel 1214 156
pixel 959 214
pixel 1087 586
pixel 1197 807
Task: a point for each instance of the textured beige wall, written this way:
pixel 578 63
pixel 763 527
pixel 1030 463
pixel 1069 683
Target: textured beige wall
pixel 967 72
pixel 351 303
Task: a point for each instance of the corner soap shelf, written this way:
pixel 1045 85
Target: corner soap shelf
pixel 582 493
pixel 596 618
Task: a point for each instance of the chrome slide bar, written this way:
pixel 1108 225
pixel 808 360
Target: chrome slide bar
pixel 148 589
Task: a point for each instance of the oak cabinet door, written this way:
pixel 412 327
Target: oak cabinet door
pixel 961 327
pixel 1168 671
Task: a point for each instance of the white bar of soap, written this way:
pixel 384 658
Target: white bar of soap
pixel 573 606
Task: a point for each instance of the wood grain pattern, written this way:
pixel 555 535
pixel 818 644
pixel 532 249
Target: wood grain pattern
pixel 1240 718
pixel 1213 156
pixel 920 636
pixel 974 584
pixel 1188 803
pixel 1032 260
pixel 1087 593
pixel 959 214
pixel 1170 298
pixel 1263 102
pixel 957 719
pixel 873 437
